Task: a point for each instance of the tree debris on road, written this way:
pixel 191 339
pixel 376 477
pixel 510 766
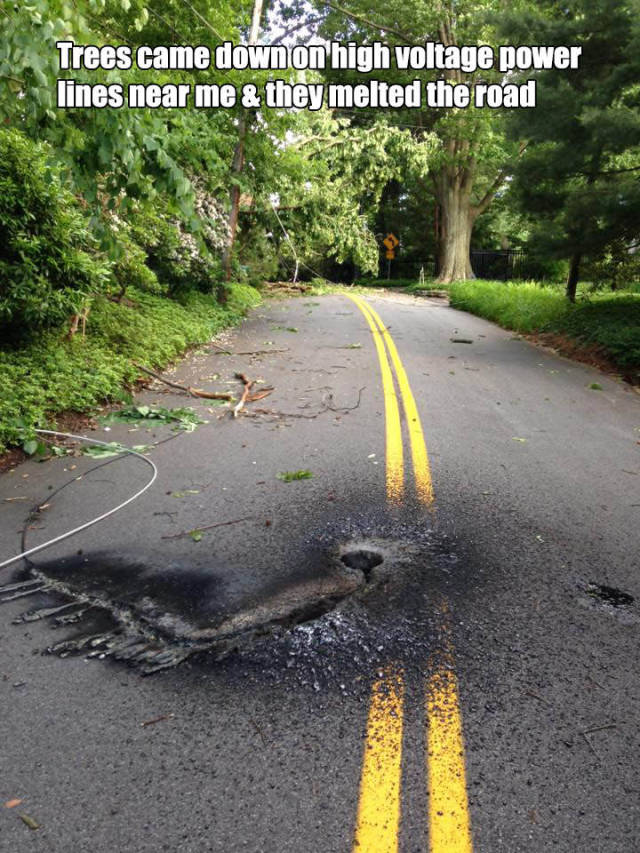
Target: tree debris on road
pixel 195 392
pixel 197 530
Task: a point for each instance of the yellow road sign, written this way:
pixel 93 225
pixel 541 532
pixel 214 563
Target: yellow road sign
pixel 390 254
pixel 391 241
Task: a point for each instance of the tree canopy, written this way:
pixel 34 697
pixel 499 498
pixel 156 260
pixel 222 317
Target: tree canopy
pixel 164 192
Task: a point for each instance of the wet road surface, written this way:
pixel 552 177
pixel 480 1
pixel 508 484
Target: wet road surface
pixel 424 646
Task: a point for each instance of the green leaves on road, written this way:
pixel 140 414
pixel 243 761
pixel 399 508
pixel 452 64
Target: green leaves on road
pixel 290 476
pixel 181 418
pixel 113 448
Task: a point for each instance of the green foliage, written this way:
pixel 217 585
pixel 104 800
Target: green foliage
pixel 543 267
pixel 111 448
pixel 331 180
pixel 387 282
pixel 176 257
pixel 48 265
pixel 525 307
pixel 53 375
pixel 618 268
pixel 577 179
pixel 111 155
pixel 291 476
pixel 183 418
pixel 130 267
pixel 610 322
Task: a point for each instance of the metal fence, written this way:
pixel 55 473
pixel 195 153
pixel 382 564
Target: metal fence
pixel 504 264
pixel 500 264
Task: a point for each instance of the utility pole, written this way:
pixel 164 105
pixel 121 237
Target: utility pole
pixel 238 155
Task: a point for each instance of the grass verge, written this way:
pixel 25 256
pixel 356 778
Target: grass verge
pixel 607 325
pixel 51 374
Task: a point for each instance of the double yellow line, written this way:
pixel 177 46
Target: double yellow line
pixel 379 807
pixel 394 451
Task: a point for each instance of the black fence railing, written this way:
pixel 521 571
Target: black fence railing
pixel 500 264
pixel 503 264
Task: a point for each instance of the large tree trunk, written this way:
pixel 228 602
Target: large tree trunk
pixel 457 218
pixel 572 278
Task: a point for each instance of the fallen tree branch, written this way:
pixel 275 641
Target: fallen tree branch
pixel 195 392
pixel 250 352
pixel 248 385
pixel 257 412
pixel 207 527
pixel 326 407
pixel 328 401
pixel 260 395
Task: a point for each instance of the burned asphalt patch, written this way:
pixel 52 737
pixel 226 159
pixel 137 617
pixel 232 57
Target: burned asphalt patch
pixel 357 598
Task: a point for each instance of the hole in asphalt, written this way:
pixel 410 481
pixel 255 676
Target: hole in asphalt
pixel 609 594
pixel 363 560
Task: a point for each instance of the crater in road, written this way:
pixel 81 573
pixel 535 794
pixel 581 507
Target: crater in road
pixel 157 616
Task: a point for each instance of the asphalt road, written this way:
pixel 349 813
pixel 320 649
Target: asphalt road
pixel 458 682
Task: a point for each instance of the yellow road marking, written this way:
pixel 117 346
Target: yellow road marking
pixel 421 468
pixel 419 455
pixel 379 804
pixel 449 823
pixel 394 455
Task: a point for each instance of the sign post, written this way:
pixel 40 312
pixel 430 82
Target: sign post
pixel 390 242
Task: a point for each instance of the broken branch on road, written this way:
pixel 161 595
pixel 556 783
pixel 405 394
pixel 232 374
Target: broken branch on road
pixel 195 392
pixel 248 385
pixel 329 398
pixel 185 533
pixel 251 352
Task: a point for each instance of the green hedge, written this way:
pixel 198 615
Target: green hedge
pixel 610 321
pixel 55 374
pixel 48 260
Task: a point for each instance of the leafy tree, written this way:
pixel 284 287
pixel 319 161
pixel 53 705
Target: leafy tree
pixel 472 157
pixel 330 179
pixel 578 179
pixel 112 156
pixel 48 262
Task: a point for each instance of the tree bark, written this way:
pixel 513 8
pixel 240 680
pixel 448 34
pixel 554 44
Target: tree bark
pixel 238 155
pixel 236 170
pixel 572 278
pixel 456 224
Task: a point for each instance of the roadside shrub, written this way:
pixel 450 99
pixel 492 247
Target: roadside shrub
pixel 537 267
pixel 48 263
pixel 617 269
pixel 52 374
pixel 608 321
pixel 177 258
pixel 130 267
pixel 525 307
pixel 131 270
